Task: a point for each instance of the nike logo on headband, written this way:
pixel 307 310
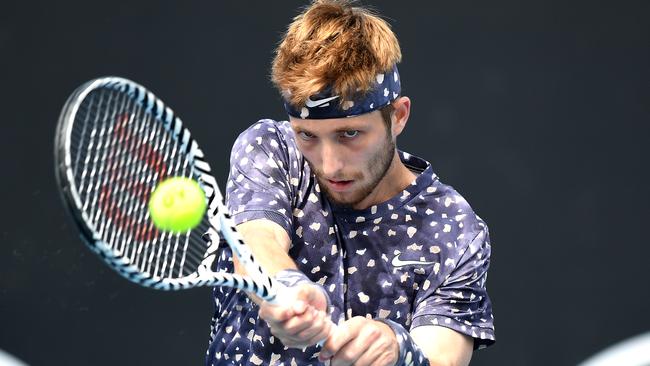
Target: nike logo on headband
pixel 399 263
pixel 319 103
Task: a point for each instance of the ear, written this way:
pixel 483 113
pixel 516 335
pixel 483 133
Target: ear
pixel 401 114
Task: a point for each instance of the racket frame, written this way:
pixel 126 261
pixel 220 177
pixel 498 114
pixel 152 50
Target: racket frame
pixel 257 282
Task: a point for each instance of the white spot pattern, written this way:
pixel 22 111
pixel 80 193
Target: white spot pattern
pixel 428 222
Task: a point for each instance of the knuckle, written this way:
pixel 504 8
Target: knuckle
pixel 309 316
pixel 305 317
pixel 319 322
pixel 383 344
pixel 303 291
pixel 373 332
pixel 348 355
pixel 358 321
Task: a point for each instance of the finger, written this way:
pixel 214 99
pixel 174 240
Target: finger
pixel 351 352
pixel 295 299
pixel 299 306
pixel 312 295
pixel 337 340
pixel 374 355
pixel 305 293
pixel 308 337
pixel 274 313
pixel 299 323
pixel 325 333
pixel 318 325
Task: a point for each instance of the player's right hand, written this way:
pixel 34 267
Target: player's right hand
pixel 304 322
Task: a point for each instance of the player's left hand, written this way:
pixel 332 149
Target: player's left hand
pixel 360 342
pixel 303 323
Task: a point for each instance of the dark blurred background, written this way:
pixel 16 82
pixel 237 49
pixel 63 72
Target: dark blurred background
pixel 536 111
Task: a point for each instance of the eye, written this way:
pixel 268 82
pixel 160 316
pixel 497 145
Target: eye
pixel 350 134
pixel 306 135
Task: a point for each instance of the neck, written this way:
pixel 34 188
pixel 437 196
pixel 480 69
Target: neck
pixel 396 179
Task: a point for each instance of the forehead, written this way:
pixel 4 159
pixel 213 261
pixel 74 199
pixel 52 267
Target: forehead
pixel 364 121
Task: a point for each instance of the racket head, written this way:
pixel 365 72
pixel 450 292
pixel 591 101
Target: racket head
pixel 114 142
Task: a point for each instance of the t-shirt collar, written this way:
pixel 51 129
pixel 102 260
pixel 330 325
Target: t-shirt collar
pixel 425 177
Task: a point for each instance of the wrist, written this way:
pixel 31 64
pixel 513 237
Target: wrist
pixel 409 353
pixel 293 277
pixel 394 343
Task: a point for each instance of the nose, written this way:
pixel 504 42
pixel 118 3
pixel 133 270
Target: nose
pixel 332 161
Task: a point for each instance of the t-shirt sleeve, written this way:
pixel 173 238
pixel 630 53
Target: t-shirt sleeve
pixel 461 301
pixel 259 183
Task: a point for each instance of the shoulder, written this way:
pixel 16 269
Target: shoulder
pixel 448 216
pixel 268 137
pixel 266 128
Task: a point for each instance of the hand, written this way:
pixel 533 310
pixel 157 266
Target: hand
pixel 304 322
pixel 360 342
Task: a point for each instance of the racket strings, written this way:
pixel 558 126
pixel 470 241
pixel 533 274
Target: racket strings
pixel 159 267
pixel 131 215
pixel 120 153
pixel 93 147
pixel 127 169
pixel 98 190
pixel 110 212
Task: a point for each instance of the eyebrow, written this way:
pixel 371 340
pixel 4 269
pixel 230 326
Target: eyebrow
pixel 338 130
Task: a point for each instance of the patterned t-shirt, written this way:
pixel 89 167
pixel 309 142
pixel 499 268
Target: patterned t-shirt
pixel 420 258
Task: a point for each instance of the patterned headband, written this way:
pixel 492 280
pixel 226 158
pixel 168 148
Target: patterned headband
pixel 324 105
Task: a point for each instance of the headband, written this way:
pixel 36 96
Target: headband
pixel 324 105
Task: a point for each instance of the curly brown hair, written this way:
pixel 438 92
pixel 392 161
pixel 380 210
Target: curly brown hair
pixel 333 44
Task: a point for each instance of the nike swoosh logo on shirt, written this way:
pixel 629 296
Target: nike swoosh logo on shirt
pixel 396 262
pixel 315 103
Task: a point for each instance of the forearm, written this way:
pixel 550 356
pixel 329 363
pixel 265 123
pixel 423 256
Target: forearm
pixel 269 243
pixel 431 346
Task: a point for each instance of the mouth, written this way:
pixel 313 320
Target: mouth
pixel 339 185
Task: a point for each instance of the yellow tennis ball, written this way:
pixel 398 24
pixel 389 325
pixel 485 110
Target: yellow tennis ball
pixel 177 204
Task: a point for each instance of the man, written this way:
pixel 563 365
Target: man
pixel 362 233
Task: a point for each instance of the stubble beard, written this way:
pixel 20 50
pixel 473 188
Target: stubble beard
pixel 376 168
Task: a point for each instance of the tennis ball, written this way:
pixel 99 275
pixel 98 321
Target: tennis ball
pixel 177 204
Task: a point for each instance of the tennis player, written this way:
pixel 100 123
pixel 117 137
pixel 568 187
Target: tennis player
pixel 362 233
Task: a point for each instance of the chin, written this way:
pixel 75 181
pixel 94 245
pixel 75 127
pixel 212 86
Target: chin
pixel 345 201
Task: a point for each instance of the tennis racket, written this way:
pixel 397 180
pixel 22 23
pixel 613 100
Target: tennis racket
pixel 115 141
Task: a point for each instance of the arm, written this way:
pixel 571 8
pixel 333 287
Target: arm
pixel 259 197
pixel 304 322
pixel 460 305
pixel 443 346
pixel 269 243
pixel 459 300
pixel 381 343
